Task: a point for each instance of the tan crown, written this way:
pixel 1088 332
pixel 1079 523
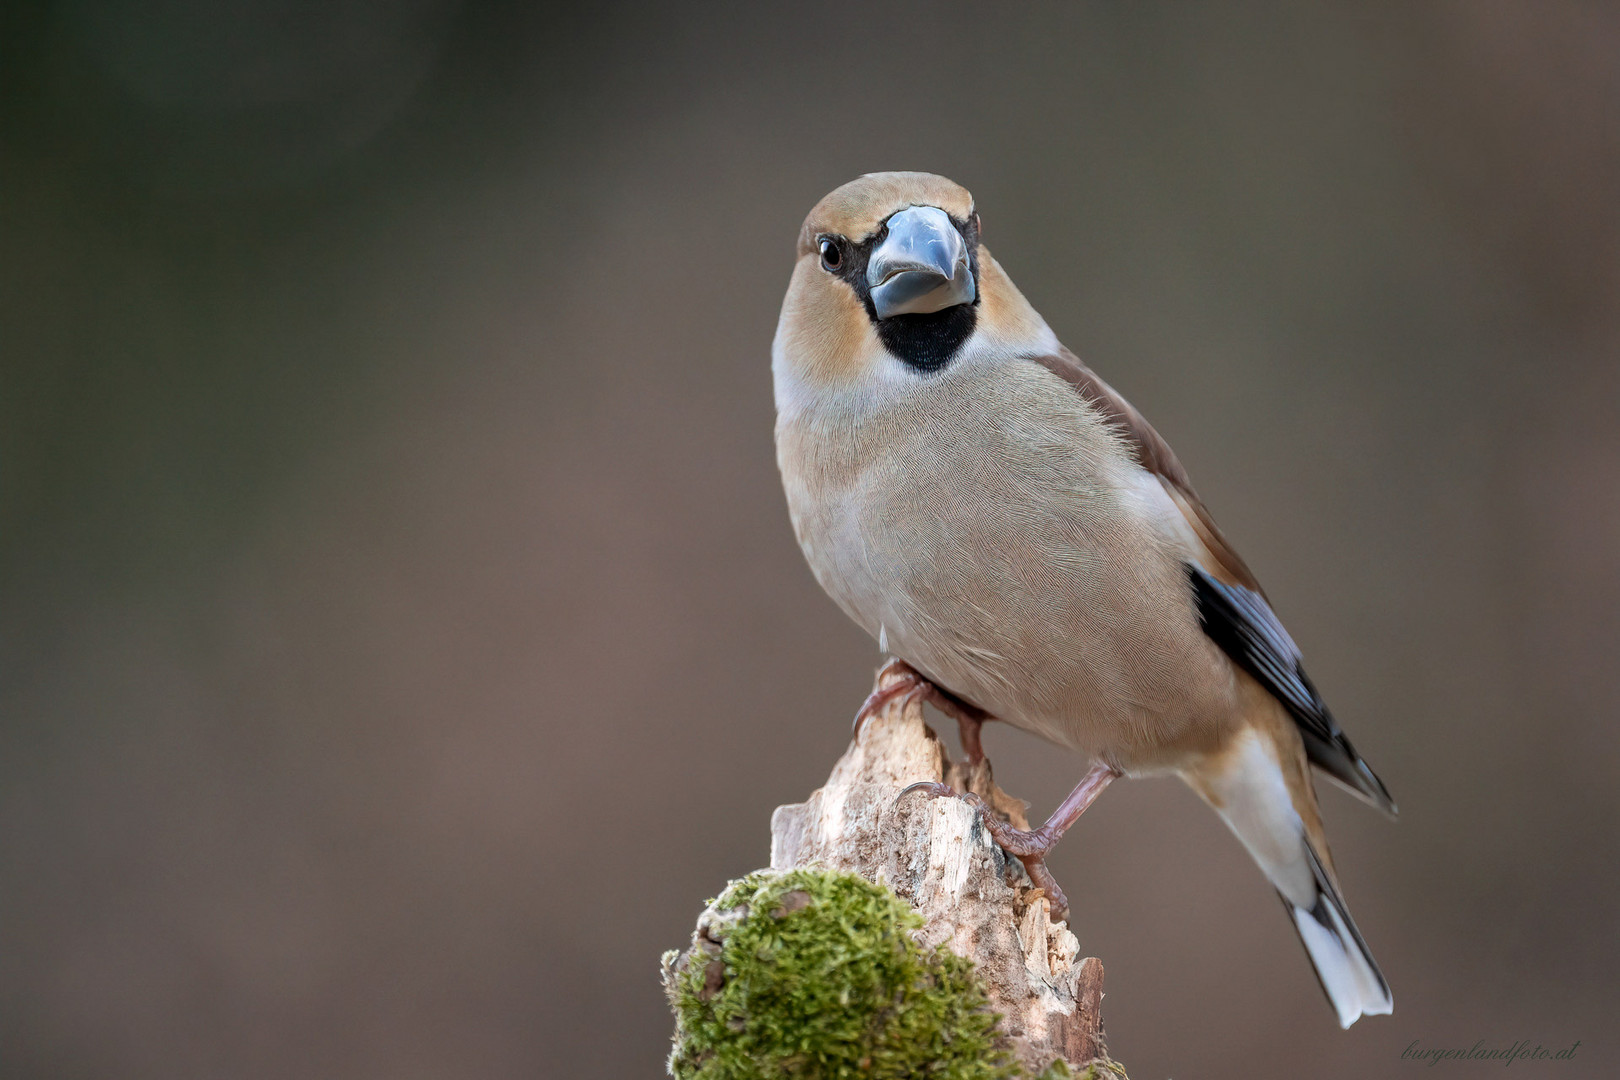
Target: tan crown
pixel 857 209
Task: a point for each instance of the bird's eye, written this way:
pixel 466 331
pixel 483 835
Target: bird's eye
pixel 831 257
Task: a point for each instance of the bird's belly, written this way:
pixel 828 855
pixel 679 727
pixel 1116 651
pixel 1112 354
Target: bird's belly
pixel 1045 595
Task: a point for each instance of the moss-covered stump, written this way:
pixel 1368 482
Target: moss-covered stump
pixel 939 858
pixel 891 937
pixel 816 973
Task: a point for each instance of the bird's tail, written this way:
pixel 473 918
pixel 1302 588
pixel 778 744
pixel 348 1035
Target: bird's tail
pixel 1263 793
pixel 1346 969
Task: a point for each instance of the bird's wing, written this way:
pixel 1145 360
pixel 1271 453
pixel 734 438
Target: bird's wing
pixel 1232 608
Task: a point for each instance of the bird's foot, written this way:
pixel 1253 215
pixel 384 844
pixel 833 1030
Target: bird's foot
pixel 911 685
pixel 907 684
pixel 1028 846
pixel 1031 846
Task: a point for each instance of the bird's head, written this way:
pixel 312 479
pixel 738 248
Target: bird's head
pixel 890 270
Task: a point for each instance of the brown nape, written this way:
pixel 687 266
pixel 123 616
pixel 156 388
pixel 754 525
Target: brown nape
pixel 857 209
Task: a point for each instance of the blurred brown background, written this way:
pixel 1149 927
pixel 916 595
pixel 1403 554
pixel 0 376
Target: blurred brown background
pixel 402 633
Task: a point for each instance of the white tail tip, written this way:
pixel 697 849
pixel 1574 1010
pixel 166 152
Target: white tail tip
pixel 1349 975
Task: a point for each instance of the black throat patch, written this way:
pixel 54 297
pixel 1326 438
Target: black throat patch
pixel 924 342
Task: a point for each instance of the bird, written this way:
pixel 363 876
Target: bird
pixel 1026 548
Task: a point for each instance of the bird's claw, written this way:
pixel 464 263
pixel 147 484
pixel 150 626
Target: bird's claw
pixel 908 686
pixel 899 680
pixel 934 788
pixel 1028 846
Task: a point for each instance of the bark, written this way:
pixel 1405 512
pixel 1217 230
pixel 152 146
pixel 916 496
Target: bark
pixel 935 854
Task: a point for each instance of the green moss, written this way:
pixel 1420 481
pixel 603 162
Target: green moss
pixel 813 973
pixel 1096 1070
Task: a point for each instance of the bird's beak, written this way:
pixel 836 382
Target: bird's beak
pixel 921 266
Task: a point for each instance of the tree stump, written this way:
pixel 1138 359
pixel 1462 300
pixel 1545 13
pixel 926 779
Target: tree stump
pixel 977 900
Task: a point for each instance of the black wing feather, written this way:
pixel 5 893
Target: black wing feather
pixel 1241 622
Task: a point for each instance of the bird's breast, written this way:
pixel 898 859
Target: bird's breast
pixel 992 531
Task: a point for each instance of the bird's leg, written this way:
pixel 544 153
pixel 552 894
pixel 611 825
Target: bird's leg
pixel 1031 846
pixel 969 719
pixel 911 684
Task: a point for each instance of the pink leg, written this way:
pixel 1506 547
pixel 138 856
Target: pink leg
pixel 1031 846
pixel 911 684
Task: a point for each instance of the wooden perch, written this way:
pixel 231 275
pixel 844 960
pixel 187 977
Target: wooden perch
pixel 935 854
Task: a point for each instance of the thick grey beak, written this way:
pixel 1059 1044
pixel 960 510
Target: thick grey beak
pixel 921 266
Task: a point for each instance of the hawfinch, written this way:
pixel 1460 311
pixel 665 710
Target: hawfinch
pixel 1028 549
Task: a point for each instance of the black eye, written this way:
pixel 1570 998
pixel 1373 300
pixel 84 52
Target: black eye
pixel 831 257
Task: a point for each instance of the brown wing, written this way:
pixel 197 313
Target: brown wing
pixel 1232 608
pixel 1155 455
